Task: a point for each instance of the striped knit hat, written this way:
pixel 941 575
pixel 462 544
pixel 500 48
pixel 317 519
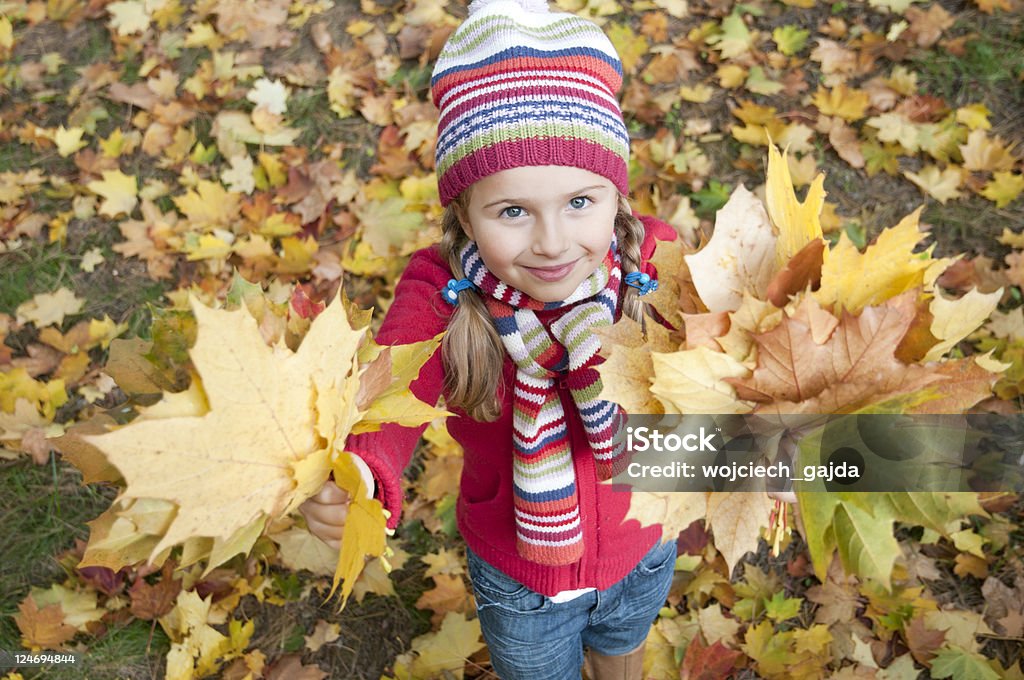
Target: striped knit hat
pixel 517 85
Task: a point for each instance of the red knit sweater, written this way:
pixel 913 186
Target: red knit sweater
pixel 612 547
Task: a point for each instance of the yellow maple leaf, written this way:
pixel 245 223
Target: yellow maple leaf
pixel 941 185
pixel 448 648
pixel 206 247
pixel 974 116
pixel 6 36
pixel 692 381
pixel 128 17
pixel 731 76
pixel 986 154
pixel 627 370
pixel 119 192
pixel 388 225
pixel 364 532
pixel 851 280
pixel 1003 188
pixel 673 510
pixel 798 223
pixel 448 595
pixel 698 94
pixel 197 649
pixel 629 45
pixel 203 35
pixel 209 205
pixel 341 92
pixel 736 518
pixel 953 320
pixel 376 575
pixel 299 549
pixel 78 606
pixel 233 128
pixel 444 561
pixel 47 309
pixel 734 38
pixel 896 127
pixel 68 141
pixel 845 102
pixel 297 254
pixel 127 532
pixel 752 316
pixel 258 452
pixel 16 384
pixel 395 402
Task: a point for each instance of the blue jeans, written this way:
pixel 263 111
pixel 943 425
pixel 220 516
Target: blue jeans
pixel 531 637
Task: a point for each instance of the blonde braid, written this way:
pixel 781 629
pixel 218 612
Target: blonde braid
pixel 630 232
pixel 471 343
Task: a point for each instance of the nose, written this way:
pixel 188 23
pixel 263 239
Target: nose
pixel 550 237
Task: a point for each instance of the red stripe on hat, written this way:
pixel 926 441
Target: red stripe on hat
pixel 575 153
pixel 592 66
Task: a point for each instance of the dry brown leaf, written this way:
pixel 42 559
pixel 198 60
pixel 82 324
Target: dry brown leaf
pixel 42 628
pixel 448 595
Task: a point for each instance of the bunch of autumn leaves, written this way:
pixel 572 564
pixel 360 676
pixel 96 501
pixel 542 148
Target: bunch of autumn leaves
pixel 768 319
pixel 274 394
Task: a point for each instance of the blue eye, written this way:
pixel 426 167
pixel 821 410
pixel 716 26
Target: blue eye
pixel 579 202
pixel 512 211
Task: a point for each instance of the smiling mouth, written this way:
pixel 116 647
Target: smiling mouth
pixel 552 274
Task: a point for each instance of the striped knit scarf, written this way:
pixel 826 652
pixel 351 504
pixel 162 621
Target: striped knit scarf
pixel 548 529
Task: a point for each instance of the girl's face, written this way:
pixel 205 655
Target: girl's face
pixel 542 229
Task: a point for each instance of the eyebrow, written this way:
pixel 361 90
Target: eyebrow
pixel 571 194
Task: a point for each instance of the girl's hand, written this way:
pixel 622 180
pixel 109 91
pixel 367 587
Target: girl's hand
pixel 325 513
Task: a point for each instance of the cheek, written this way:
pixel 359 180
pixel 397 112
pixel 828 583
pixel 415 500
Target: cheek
pixel 600 239
pixel 496 254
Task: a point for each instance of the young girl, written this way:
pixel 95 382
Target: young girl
pixel 539 248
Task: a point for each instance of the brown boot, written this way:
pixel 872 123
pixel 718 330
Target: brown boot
pixel 628 666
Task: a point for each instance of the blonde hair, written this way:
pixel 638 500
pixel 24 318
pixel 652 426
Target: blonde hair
pixel 472 350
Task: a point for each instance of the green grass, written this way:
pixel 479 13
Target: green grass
pixel 44 509
pixel 33 268
pixel 311 112
pixel 135 651
pixel 988 71
pixel 119 288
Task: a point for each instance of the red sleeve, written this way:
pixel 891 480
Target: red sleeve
pixel 655 230
pixel 417 313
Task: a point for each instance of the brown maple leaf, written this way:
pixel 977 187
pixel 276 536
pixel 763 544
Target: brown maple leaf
pixel 153 601
pixel 708 662
pixel 802 270
pixel 813 362
pixel 449 595
pixel 922 641
pixel 290 667
pixel 837 600
pixel 42 628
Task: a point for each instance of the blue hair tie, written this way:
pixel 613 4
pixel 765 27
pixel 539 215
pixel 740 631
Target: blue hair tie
pixel 642 282
pixel 451 291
